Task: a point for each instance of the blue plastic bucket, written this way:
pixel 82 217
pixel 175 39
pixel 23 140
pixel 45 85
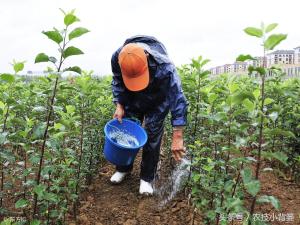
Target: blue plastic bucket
pixel 121 155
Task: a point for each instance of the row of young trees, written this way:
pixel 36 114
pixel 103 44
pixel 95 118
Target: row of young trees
pixel 240 127
pixel 51 133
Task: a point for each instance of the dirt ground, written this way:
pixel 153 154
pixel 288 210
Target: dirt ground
pixel 107 204
pixel 288 195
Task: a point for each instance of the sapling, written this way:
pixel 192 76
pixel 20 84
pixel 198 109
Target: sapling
pixel 62 39
pixel 269 42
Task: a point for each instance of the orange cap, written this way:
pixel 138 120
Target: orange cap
pixel 134 67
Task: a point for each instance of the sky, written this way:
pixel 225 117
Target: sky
pixel 212 28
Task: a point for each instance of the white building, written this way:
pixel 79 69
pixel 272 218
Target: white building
pixel 236 68
pixel 297 55
pixel 288 60
pixel 217 70
pixel 258 62
pixel 291 70
pixel 280 57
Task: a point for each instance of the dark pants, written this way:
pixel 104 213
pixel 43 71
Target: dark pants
pixel 151 150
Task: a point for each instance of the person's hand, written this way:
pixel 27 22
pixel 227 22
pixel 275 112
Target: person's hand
pixel 119 113
pixel 178 149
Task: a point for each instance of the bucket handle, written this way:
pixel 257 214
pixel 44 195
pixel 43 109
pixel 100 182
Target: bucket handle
pixel 134 119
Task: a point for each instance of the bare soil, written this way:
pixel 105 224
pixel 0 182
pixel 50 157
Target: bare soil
pixel 287 193
pixel 107 204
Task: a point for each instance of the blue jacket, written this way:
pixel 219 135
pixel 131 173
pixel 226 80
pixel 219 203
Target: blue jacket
pixel 164 92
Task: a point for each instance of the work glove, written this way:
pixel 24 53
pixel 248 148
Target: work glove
pixel 119 113
pixel 178 149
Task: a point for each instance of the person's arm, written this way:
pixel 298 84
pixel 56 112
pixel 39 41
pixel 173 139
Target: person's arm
pixel 178 108
pixel 118 87
pixel 178 102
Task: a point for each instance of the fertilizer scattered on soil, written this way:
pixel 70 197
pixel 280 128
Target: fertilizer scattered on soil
pixel 174 183
pixel 124 139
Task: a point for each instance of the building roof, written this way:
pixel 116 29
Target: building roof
pixel 259 57
pixel 282 52
pixel 239 63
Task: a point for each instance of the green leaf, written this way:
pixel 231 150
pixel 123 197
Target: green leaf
pixel 260 70
pixel 196 177
pixel 72 51
pixel 21 203
pixel 7 77
pixel 2 105
pixel 212 97
pixel 234 203
pixel 252 31
pixel 51 197
pixel 274 40
pixel 233 87
pixel 277 131
pixel 35 159
pixel 196 63
pixel 207 168
pixel 8 221
pixel 240 142
pixel 77 32
pixel 246 175
pixel 253 187
pixel 250 106
pixel 39 130
pixel 74 69
pixel 70 109
pixel 54 36
pixel 204 74
pixel 280 156
pixel 256 93
pixel 239 97
pixel 228 185
pixel 59 126
pixel 70 19
pixel 52 59
pixel 243 58
pixel 35 222
pixel 18 66
pixel 42 57
pixel 268 101
pixel 250 69
pixel 269 199
pixel 54 213
pixel 271 27
pixel 204 62
pixel 40 190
